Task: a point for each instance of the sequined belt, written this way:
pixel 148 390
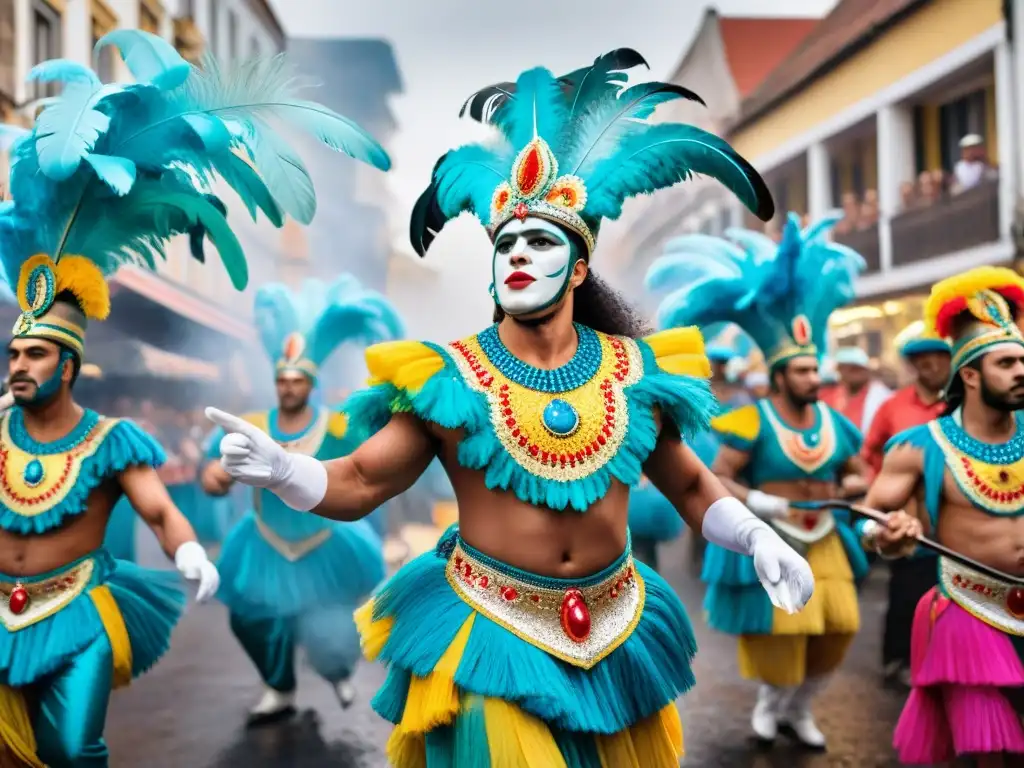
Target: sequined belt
pixel 577 622
pixel 25 603
pixel 994 602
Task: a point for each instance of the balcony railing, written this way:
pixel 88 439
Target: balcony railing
pixel 865 242
pixel 949 225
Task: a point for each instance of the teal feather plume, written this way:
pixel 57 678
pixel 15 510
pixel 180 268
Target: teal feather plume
pixel 597 128
pixel 759 285
pixel 111 172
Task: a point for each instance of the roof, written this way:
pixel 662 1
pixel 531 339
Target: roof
pixel 852 25
pixel 755 47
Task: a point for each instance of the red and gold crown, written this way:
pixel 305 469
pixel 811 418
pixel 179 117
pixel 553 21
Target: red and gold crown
pixel 536 189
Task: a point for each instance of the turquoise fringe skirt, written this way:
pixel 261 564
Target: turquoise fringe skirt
pixel 150 602
pixel 422 614
pixel 260 582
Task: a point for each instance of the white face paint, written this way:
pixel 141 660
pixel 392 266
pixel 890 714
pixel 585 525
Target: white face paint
pixel 533 261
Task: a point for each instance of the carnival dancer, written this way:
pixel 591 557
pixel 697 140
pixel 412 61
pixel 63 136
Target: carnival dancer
pixel 784 449
pixel 106 177
pixel 961 477
pixel 915 404
pixel 292 580
pixel 530 637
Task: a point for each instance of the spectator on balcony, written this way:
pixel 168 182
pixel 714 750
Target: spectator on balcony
pixel 973 167
pixel 868 212
pixel 929 189
pixel 908 196
pixel 851 217
pixel 860 394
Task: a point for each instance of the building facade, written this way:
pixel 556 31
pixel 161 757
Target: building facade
pixel 868 115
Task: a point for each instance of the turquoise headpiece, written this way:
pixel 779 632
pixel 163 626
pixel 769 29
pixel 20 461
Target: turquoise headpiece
pixel 301 330
pixel 915 340
pixel 572 150
pixel 780 294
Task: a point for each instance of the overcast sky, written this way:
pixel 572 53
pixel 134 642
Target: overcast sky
pixel 446 49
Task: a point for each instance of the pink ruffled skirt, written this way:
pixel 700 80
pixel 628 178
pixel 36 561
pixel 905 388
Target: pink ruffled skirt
pixel 958 666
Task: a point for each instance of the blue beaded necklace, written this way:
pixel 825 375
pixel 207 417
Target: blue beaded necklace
pixel 33 473
pixel 1009 452
pixel 574 374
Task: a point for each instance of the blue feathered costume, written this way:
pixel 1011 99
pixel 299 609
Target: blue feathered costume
pixel 106 177
pixel 292 579
pixel 488 664
pixel 781 294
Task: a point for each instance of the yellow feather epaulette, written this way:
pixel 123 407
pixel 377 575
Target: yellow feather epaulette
pixel 965 285
pixel 337 424
pixel 407 365
pixel 680 351
pixel 744 423
pixel 259 419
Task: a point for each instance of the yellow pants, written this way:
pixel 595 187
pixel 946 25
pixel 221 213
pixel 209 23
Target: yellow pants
pixel 814 641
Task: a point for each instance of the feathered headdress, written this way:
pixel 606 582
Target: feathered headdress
pixel 572 150
pixel 111 172
pixel 781 294
pixel 916 339
pixel 301 330
pixel 992 297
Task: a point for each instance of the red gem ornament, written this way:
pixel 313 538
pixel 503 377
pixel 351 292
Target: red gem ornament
pixel 530 171
pixel 575 616
pixel 1015 602
pixel 810 521
pixel 19 600
pixel 521 211
pixel 801 330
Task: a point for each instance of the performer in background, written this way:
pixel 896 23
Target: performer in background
pixel 293 580
pixel 859 394
pixel 510 643
pixel 915 404
pixel 784 449
pixel 107 176
pixel 652 521
pixel 961 477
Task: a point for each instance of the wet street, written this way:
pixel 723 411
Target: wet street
pixel 190 710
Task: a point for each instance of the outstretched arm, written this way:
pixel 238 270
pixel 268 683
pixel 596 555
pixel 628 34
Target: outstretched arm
pixel 894 491
pixel 344 489
pixel 675 470
pixel 215 481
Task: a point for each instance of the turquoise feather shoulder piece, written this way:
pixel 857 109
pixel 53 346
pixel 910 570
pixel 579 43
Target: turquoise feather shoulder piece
pixel 45 483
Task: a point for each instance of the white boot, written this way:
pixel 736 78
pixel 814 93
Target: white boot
pixel 765 718
pixel 346 693
pixel 797 714
pixel 273 706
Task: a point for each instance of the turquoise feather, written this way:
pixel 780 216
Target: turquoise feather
pixel 62 71
pixel 150 59
pixel 598 130
pixel 325 315
pixel 112 172
pixel 758 284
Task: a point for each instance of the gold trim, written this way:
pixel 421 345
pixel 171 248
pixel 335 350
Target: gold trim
pixel 292 551
pixel 310 442
pixel 46 597
pixel 982 597
pixel 534 614
pixel 785 434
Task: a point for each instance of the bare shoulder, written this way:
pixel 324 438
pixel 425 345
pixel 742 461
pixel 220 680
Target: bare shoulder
pixel 902 460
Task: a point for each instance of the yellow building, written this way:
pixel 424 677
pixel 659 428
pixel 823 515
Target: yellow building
pixel 868 115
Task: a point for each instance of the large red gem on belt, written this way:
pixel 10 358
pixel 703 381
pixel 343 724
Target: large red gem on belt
pixel 575 616
pixel 1015 602
pixel 18 601
pixel 810 522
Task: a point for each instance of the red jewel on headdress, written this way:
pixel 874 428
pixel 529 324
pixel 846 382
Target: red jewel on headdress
pixel 529 171
pixel 521 211
pixel 801 330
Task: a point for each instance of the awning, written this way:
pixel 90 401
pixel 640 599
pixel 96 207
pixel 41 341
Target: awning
pixel 169 365
pixel 116 354
pixel 164 292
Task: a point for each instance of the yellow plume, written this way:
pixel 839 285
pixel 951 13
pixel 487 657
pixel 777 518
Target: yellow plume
pixel 964 286
pixel 78 276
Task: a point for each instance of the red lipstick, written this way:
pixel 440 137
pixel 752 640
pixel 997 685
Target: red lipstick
pixel 519 280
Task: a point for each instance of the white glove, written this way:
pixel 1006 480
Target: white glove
pixel 785 576
pixel 766 506
pixel 6 401
pixel 250 456
pixel 194 565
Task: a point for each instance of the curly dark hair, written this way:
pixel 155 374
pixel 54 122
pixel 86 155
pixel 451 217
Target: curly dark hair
pixel 599 306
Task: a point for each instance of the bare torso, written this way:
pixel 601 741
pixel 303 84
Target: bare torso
pixel 990 539
pixel 77 537
pixel 566 544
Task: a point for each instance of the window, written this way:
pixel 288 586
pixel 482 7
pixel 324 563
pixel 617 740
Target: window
pixel 103 21
pixel 232 36
pixel 148 20
pixel 45 43
pixel 957 119
pixel 213 43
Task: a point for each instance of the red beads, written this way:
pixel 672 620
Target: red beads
pixel 509 593
pixel 19 600
pixel 1015 602
pixel 575 616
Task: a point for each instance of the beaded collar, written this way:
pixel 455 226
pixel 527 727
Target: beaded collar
pixel 990 475
pixel 575 373
pixel 808 449
pixel 308 439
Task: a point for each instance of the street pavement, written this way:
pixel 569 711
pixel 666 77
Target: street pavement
pixel 190 710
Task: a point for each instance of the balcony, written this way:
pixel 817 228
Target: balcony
pixel 866 243
pixel 949 225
